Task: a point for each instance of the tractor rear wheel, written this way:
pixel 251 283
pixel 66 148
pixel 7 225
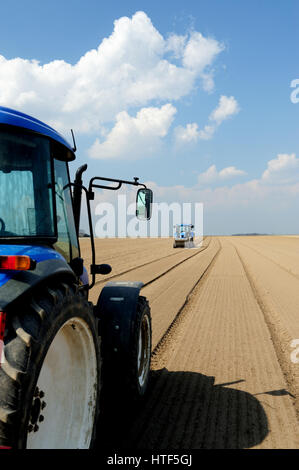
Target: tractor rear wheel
pixel 50 377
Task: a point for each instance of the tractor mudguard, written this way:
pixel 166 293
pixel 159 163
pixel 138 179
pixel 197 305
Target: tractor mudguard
pixel 116 309
pixel 23 281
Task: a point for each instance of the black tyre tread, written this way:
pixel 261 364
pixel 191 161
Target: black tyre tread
pixel 122 375
pixel 142 307
pixel 22 346
pixel 21 333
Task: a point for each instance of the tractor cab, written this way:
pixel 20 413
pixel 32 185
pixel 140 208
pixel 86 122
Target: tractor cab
pixel 183 234
pixel 183 231
pixel 36 203
pixel 39 205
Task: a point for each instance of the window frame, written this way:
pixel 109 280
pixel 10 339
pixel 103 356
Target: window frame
pixel 31 239
pixel 68 186
pixel 42 240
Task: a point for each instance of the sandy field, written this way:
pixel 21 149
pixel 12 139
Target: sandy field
pixel 224 316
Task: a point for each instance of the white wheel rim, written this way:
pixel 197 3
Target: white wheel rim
pixel 68 380
pixel 144 351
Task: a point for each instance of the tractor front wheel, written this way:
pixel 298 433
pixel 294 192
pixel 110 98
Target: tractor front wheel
pixel 50 376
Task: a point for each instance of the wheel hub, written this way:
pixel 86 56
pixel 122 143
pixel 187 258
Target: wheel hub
pixel 70 363
pixel 38 404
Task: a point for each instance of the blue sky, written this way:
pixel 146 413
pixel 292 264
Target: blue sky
pixel 246 172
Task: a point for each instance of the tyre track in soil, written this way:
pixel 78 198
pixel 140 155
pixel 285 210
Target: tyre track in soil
pixel 108 434
pixel 172 262
pixel 216 380
pixel 125 255
pixel 276 288
pixel 167 284
pixel 273 249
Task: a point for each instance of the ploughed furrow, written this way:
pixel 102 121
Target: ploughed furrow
pixel 168 294
pixel 150 271
pixel 125 254
pixel 168 282
pixel 157 265
pixel 216 380
pixel 126 413
pixel 277 291
pixel 281 250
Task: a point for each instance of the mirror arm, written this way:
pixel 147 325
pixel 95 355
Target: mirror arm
pixel 112 180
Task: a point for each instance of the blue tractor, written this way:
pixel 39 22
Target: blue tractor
pixel 57 349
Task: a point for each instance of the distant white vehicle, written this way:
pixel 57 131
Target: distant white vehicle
pixel 183 234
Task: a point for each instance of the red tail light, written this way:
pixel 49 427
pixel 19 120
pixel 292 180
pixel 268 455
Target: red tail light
pixel 16 263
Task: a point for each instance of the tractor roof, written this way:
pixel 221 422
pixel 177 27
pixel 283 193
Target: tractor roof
pixel 12 117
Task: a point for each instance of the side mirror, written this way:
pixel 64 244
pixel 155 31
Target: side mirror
pixel 144 201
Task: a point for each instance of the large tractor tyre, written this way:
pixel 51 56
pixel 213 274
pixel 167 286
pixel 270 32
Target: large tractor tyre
pixel 130 373
pixel 139 363
pixel 50 376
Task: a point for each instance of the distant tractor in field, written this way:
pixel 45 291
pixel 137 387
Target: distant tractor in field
pixel 183 234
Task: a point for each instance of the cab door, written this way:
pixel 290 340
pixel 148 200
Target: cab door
pixel 67 242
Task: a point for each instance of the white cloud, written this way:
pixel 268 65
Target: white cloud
pixel 211 175
pixel 176 44
pixel 206 133
pixel 130 68
pixel 283 169
pixel 227 107
pixel 133 137
pixel 252 206
pixel 199 54
pixel 230 172
pixel 189 133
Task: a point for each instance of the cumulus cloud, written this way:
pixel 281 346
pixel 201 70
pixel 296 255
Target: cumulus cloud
pixel 227 107
pixel 283 169
pixel 190 133
pixel 254 196
pixel 131 68
pixel 176 44
pixel 207 132
pixel 247 207
pixel 212 175
pixel 199 54
pixel 132 137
